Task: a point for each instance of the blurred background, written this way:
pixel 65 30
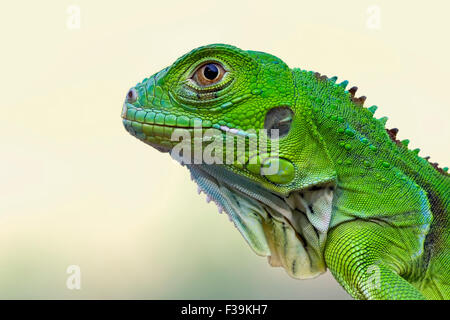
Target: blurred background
pixel 77 189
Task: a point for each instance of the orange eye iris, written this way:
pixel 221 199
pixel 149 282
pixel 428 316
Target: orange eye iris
pixel 208 74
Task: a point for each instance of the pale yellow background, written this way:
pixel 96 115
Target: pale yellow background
pixel 77 189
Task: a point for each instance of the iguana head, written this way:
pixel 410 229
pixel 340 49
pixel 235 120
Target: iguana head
pixel 277 185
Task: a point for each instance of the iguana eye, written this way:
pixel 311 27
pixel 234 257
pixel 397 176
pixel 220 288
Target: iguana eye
pixel 208 74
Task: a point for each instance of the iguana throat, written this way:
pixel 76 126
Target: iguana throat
pixel 290 231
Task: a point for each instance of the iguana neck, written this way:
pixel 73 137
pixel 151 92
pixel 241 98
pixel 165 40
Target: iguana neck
pixel 353 137
pixel 363 152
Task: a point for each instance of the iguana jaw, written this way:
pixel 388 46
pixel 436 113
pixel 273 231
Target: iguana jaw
pixel 271 224
pixel 145 125
pixel 160 136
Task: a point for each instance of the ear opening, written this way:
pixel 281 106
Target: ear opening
pixel 279 118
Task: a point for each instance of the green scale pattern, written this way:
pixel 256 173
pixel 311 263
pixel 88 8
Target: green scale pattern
pixel 390 210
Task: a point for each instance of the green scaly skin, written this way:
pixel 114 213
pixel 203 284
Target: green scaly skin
pixel 384 234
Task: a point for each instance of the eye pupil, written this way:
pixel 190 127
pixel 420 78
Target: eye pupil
pixel 210 71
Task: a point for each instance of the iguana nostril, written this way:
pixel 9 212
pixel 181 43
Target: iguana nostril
pixel 132 95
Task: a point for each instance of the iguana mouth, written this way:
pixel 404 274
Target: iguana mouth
pixel 274 226
pixel 159 135
pixel 152 131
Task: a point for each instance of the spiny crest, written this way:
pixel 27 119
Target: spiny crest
pixel 372 109
pixel 439 169
pixel 392 133
pixel 352 91
pixel 320 77
pixel 358 101
pixel 343 84
pixel 383 120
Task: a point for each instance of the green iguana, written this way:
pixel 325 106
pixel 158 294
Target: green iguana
pixel 343 194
